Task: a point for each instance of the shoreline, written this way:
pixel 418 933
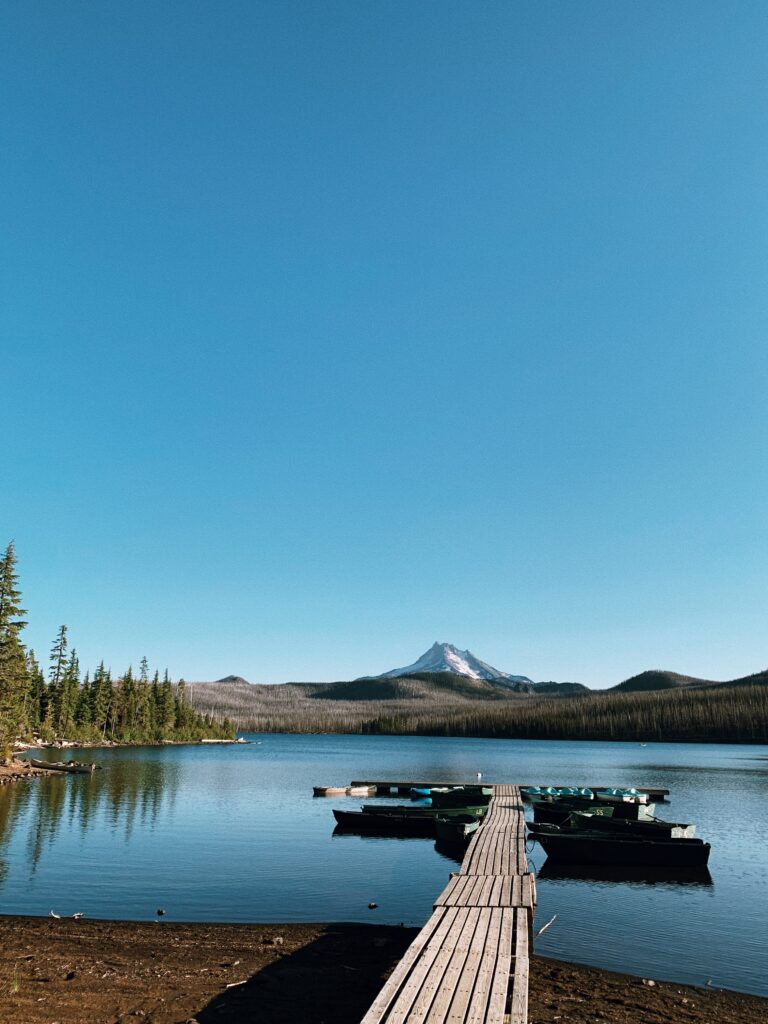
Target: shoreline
pixel 86 971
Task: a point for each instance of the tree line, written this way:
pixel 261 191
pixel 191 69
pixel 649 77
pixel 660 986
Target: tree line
pixel 716 714
pixel 62 704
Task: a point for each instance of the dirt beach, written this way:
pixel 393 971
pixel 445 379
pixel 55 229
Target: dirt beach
pixel 88 972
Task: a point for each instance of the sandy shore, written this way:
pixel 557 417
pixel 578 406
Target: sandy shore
pixel 88 972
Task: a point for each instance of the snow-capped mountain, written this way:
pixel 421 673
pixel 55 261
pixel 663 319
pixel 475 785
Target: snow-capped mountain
pixel 447 658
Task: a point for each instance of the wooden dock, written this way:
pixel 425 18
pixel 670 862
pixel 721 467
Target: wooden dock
pixel 384 787
pixel 469 963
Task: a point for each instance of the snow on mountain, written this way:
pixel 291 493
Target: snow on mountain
pixel 447 658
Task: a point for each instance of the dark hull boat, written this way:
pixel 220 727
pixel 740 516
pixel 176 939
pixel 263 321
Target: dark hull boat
pixel 565 847
pixel 76 767
pixel 456 830
pixel 558 811
pixel 463 796
pixel 646 828
pixel 385 824
pixel 421 811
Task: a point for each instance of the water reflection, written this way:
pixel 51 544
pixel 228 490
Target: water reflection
pixel 122 795
pixel 445 851
pixel 625 875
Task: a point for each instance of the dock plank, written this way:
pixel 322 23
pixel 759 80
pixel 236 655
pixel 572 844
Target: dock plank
pixel 471 958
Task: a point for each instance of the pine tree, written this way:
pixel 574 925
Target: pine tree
pixel 14 680
pixel 69 694
pixel 101 699
pixel 37 694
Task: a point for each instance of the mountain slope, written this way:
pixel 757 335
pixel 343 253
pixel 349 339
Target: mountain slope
pixel 447 658
pixel 660 679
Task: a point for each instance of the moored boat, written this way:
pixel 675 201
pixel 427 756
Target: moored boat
pixel 648 828
pixel 384 824
pixel 420 792
pixel 422 811
pixel 457 829
pixel 564 847
pixel 557 811
pixel 76 767
pixel 329 790
pixel 462 796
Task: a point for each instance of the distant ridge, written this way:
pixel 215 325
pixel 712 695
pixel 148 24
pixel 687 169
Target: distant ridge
pixel 661 679
pixel 442 657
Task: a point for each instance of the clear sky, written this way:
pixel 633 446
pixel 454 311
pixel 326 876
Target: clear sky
pixel 330 330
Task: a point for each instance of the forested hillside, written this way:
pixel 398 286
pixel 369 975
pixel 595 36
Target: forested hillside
pixel 127 709
pixel 726 713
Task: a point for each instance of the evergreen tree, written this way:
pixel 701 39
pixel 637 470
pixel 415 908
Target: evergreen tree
pixel 14 680
pixel 37 693
pixel 101 699
pixel 166 719
pixel 68 696
pixel 56 671
pixel 84 706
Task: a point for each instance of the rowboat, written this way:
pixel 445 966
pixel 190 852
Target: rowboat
pixel 461 796
pixel 419 792
pixel 645 827
pixel 342 791
pixel 456 829
pixel 613 795
pixel 565 847
pixel 77 767
pixel 420 811
pixel 384 824
pixel 557 811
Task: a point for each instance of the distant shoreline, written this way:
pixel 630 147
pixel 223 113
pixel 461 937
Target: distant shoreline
pixel 453 706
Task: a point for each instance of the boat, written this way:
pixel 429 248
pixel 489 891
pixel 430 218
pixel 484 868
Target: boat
pixel 329 791
pixel 360 791
pixel 646 827
pixel 651 828
pixel 557 811
pixel 549 792
pixel 456 829
pixel 462 796
pixel 420 792
pixel 78 767
pixel 422 811
pixel 656 794
pixel 564 847
pixel 627 796
pixel 385 824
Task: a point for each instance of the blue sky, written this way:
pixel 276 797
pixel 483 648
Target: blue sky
pixel 331 330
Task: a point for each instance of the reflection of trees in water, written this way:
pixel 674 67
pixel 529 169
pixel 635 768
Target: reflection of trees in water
pixel 14 797
pixel 121 794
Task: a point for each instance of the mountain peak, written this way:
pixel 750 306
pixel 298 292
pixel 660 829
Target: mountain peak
pixel 443 657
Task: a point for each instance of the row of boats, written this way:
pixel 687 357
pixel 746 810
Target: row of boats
pixel 610 827
pixel 449 814
pixel 607 827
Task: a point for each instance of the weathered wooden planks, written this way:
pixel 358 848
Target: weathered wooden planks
pixel 488 891
pixel 469 964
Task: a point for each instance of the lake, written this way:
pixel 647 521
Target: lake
pixel 232 833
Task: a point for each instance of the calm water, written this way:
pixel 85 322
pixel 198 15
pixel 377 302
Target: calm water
pixel 233 834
